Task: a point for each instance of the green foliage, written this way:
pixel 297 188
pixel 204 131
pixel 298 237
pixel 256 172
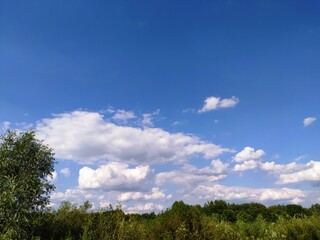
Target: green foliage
pixel 315 209
pixel 181 221
pixel 25 164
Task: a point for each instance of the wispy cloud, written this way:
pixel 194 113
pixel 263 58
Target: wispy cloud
pixel 122 115
pixel 214 103
pixel 65 171
pixel 189 110
pixel 297 159
pixel 148 117
pixel 308 121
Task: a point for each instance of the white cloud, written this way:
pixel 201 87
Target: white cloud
pixel 310 172
pixel 217 167
pixel 122 115
pixel 156 193
pixel 115 176
pixel 247 154
pixel 176 123
pixel 102 199
pixel 218 191
pixel 109 110
pixel 53 177
pixel 105 204
pixel 247 165
pixel 279 168
pixel 297 159
pixel 308 121
pixel 147 207
pixel 86 137
pixel 191 176
pixel 191 110
pixel 65 172
pixel 281 194
pixel 214 103
pixel 97 197
pixel 228 102
pixel 293 172
pixel 148 117
pixel 186 179
pixel 247 159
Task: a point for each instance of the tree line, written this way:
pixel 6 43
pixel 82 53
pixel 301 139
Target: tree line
pixel 26 165
pixel 214 220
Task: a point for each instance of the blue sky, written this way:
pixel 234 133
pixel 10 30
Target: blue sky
pixel 148 102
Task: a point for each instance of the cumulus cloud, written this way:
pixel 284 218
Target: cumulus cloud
pixel 308 121
pixel 310 172
pixel 191 176
pixel 247 165
pixel 86 137
pixel 156 193
pixel 247 154
pixel 122 115
pixel 279 168
pixel 217 167
pixel 247 159
pixel 65 172
pixel 218 191
pixel 293 172
pixel 214 103
pixel 115 177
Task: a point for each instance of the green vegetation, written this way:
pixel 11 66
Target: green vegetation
pixel 214 220
pixel 25 164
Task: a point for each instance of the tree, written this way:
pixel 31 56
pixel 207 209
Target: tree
pixel 315 209
pixel 26 165
pixel 216 207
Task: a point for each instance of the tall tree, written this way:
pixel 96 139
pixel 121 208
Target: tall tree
pixel 26 164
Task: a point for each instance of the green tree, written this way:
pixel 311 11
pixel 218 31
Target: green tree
pixel 295 210
pixel 25 166
pixel 216 207
pixel 315 209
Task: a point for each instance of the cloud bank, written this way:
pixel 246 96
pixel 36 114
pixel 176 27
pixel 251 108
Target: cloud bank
pixel 124 158
pixel 86 138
